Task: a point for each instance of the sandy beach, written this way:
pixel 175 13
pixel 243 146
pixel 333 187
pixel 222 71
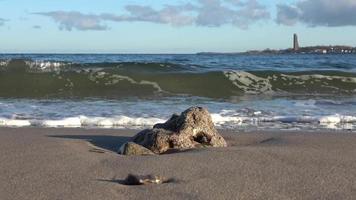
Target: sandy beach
pixel 39 163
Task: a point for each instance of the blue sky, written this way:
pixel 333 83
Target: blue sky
pixel 174 26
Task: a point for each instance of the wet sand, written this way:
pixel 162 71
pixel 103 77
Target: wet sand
pixel 82 164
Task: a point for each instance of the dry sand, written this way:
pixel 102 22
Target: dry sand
pixel 82 164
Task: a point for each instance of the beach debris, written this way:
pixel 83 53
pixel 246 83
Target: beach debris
pixel 133 149
pixel 144 180
pixel 96 150
pixel 192 129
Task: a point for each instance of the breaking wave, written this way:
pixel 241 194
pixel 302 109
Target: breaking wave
pixel 49 79
pixel 219 119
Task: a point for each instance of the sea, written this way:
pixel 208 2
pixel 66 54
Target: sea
pixel 307 92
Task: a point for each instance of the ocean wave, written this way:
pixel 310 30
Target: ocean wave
pixel 54 66
pixel 45 79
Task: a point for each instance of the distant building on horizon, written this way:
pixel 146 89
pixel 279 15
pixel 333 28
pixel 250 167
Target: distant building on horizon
pixel 295 42
pixel 318 49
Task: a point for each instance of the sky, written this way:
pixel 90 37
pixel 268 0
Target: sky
pixel 174 26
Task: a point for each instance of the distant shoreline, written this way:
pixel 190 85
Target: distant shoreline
pixel 337 49
pixel 252 52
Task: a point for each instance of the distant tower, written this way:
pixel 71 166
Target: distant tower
pixel 295 42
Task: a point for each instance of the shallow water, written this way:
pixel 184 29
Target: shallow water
pixel 289 92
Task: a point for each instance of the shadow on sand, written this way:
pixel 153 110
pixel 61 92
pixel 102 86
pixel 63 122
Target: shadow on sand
pixel 110 143
pixel 135 182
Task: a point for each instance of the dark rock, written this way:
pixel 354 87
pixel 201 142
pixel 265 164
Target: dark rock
pixel 192 129
pixel 133 149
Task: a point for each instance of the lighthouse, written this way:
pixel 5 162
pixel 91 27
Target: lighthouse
pixel 295 42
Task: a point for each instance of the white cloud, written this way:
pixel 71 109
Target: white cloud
pixel 69 20
pixel 318 13
pixel 211 13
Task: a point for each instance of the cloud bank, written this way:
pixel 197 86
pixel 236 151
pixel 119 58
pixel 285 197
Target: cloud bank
pixel 331 13
pixel 210 13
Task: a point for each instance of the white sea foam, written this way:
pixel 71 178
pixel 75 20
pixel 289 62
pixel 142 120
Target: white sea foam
pixel 323 80
pixel 45 66
pixel 248 82
pixel 67 122
pixel 120 121
pixel 14 123
pixel 4 63
pixel 112 79
pixel 253 84
pixel 221 120
pixel 319 77
pixel 335 119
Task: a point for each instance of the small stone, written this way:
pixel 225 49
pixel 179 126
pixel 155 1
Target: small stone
pixel 143 180
pixel 133 149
